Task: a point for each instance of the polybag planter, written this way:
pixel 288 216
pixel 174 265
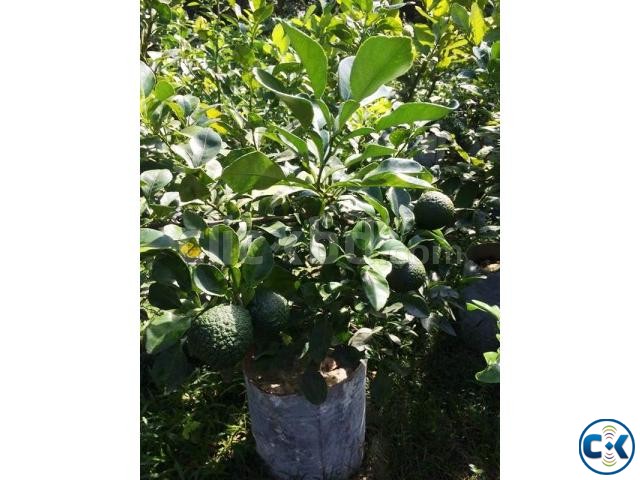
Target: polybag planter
pixel 300 440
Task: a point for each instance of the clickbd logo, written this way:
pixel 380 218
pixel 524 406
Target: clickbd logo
pixel 607 446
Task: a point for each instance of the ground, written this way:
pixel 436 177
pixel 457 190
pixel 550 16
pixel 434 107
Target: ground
pixel 439 424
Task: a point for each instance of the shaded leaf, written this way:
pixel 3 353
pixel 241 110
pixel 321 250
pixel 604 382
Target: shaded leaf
pixel 491 374
pixel 381 388
pixel 171 368
pixel 460 16
pixel 168 268
pixel 319 341
pixel 301 108
pixel 165 297
pixel 258 263
pixel 438 322
pixel 193 221
pixel 415 305
pixel 165 331
pixel 209 279
pixel 193 187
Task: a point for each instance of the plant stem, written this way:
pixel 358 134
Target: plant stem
pixel 411 90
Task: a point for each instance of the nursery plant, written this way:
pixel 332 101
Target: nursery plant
pixel 290 217
pixel 344 198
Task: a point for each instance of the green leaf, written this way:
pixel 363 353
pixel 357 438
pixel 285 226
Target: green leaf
pixel 394 248
pixel 279 39
pixel 383 267
pixel 379 207
pixel 375 287
pixel 460 16
pixel 414 112
pixel 408 219
pixel 205 145
pixel 478 26
pixel 221 244
pixel 262 13
pixel 281 280
pixel 491 374
pixel 312 56
pixel 277 229
pixel 193 187
pixel 379 60
pixel 147 80
pixel 395 165
pixel 372 150
pixel 344 75
pixel 165 297
pixel 362 235
pixel 398 197
pixel 193 221
pixel 188 103
pixel 171 367
pixel 258 263
pixel 416 305
pixel 152 181
pixel 209 279
pixel 390 179
pixel 360 132
pixel 363 336
pixel 151 239
pixel 480 305
pixel 236 277
pixel 346 110
pixel 313 386
pixel 168 268
pixel 165 331
pixel 495 51
pixel 466 194
pixel 292 141
pixel 318 250
pixel 438 236
pixel 252 171
pixel 301 108
pixel 163 90
pixel 439 322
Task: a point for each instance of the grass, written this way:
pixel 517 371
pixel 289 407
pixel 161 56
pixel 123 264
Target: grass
pixel 439 424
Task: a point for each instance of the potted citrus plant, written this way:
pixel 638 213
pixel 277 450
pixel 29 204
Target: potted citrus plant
pixel 295 251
